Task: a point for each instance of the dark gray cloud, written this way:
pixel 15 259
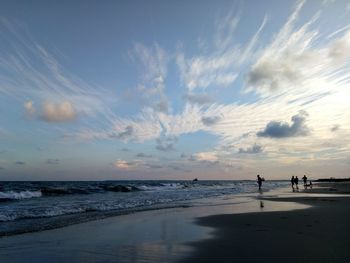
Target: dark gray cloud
pixel 211 120
pixel 20 163
pixel 335 128
pixel 143 155
pixel 316 97
pixel 183 155
pixel 124 135
pixel 200 99
pixel 276 129
pixel 251 150
pixel 162 106
pixel 192 158
pixel 166 144
pixel 2 168
pixel 273 76
pixel 178 167
pixel 125 150
pixel 127 133
pixel 208 163
pixel 154 166
pixel 41 149
pixel 228 147
pixel 52 161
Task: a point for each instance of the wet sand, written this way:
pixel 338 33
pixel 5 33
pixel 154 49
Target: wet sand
pixel 317 234
pixel 276 226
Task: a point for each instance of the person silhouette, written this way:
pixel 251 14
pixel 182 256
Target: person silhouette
pixel 296 181
pixel 259 180
pixel 292 181
pixel 305 180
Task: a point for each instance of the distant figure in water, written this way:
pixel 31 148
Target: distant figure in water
pixel 259 180
pixel 305 180
pixel 296 181
pixel 292 181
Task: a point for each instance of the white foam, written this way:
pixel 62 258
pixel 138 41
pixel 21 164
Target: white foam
pixel 20 195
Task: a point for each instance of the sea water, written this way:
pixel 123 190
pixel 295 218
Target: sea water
pixel 35 206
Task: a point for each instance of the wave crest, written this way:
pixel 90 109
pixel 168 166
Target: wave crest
pixel 12 195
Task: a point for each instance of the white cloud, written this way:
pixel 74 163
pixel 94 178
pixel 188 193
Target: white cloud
pixel 125 165
pixel 121 164
pixel 58 112
pixel 206 156
pixel 29 108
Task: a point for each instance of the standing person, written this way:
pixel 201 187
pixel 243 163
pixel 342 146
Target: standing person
pixel 292 181
pixel 259 180
pixel 296 181
pixel 305 180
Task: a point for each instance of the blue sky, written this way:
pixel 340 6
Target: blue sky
pixel 174 90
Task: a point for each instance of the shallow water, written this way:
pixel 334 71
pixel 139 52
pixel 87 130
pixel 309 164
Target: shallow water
pixel 35 206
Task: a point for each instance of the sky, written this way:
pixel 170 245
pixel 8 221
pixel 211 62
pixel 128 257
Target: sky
pixel 126 90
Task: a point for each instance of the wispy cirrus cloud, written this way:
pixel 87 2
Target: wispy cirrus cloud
pixel 28 70
pixel 299 68
pixel 295 62
pixel 221 67
pixel 153 66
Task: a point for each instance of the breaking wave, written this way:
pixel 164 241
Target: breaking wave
pixel 12 195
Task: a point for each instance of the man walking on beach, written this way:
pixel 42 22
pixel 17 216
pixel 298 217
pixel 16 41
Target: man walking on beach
pixel 305 180
pixel 292 181
pixel 259 181
pixel 296 181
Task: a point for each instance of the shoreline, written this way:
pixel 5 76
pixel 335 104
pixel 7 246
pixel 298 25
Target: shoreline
pixel 174 235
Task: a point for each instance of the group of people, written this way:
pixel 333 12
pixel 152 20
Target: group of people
pixel 295 181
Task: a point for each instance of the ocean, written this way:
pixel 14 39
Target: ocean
pixel 36 206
